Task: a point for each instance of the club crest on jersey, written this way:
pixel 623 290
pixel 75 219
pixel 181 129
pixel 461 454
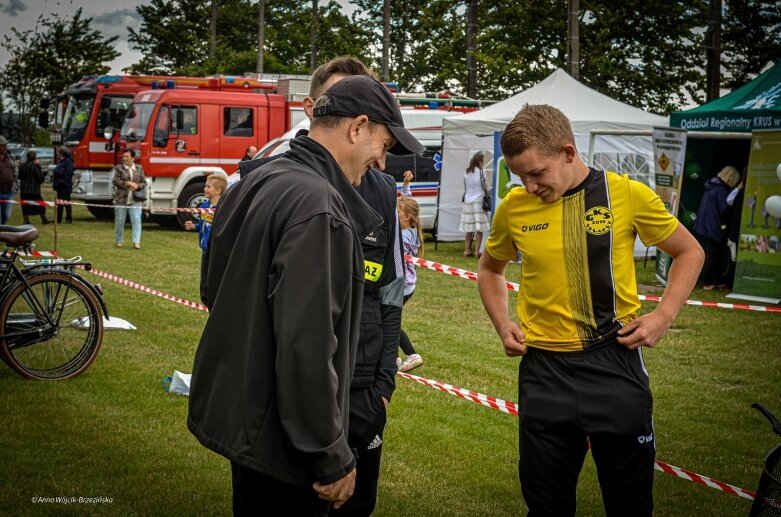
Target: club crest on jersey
pixel 598 220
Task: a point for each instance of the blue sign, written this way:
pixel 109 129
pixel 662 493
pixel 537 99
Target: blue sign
pixel 437 162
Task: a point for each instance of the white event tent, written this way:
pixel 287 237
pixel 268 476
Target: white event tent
pixel 609 134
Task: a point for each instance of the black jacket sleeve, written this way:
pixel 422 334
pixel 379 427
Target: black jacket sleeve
pixel 308 294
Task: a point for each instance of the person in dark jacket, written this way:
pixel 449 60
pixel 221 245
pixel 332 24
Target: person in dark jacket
pixel 710 225
pixel 62 181
pixel 285 258
pixel 30 178
pixel 249 153
pixel 733 227
pixel 374 378
pixel 383 296
pixel 8 176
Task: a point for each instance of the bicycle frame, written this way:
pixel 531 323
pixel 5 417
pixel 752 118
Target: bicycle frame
pixel 13 275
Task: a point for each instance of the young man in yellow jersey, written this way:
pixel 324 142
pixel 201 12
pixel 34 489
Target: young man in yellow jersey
pixel 582 379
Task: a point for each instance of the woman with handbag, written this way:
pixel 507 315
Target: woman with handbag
pixel 475 205
pixel 129 195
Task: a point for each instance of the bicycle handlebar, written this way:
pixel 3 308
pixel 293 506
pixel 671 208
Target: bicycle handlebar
pixel 770 417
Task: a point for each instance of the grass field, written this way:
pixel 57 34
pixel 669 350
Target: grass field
pixel 115 433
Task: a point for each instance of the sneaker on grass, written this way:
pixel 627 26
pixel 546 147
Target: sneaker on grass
pixel 410 362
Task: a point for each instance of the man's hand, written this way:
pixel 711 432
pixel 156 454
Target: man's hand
pixel 513 339
pixel 646 330
pixel 132 185
pixel 493 293
pixel 687 257
pixel 339 491
pixel 407 177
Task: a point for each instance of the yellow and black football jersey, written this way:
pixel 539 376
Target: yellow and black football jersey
pixel 577 256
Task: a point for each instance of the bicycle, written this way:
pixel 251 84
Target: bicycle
pixel 767 502
pixel 51 318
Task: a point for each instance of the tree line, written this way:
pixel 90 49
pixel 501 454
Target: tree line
pixel 651 54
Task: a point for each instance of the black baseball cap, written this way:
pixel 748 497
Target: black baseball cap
pixel 357 95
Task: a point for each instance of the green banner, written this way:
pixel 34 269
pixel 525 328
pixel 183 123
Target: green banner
pixel 752 107
pixel 758 267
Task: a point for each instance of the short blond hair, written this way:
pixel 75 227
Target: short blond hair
pixel 729 175
pixel 540 126
pixel 218 181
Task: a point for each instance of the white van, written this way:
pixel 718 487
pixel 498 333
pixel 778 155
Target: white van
pixel 426 126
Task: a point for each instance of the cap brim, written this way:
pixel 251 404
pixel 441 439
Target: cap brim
pixel 405 142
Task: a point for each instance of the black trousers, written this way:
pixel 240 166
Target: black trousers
pixel 367 424
pixel 568 399
pixel 66 195
pixel 404 341
pixel 716 262
pixel 256 494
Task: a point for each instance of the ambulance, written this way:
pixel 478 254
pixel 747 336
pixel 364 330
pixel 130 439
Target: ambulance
pixel 426 126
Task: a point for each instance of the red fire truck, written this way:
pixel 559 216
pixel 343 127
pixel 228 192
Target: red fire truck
pixel 89 106
pixel 181 136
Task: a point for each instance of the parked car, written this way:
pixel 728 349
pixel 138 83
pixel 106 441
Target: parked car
pixel 16 151
pixel 44 154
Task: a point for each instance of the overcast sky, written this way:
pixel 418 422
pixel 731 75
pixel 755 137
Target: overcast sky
pixel 111 17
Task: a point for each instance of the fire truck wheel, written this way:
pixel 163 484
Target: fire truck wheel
pixel 191 197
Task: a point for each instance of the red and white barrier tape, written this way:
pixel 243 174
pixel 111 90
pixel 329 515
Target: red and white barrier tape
pixel 512 286
pixel 717 305
pixel 498 404
pixel 149 290
pixel 478 398
pixel 27 202
pixel 702 480
pixel 427 264
pixel 48 254
pixel 76 203
pixel 189 210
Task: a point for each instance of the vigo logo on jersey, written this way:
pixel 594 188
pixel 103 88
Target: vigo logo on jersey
pixel 598 220
pixel 534 227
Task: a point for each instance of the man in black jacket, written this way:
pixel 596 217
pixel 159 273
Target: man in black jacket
pixel 383 295
pixel 374 379
pixel 271 393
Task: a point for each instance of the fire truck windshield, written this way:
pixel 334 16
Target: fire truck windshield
pixel 60 103
pixel 77 113
pixel 136 121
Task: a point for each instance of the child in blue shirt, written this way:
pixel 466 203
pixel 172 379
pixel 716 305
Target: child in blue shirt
pixel 213 189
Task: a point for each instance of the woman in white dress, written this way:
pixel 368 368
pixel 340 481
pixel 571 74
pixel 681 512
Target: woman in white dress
pixel 474 220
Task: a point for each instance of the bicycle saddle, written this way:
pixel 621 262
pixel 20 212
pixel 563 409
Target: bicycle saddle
pixel 18 235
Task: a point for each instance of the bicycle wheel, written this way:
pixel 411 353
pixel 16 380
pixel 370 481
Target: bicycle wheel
pixel 52 329
pixel 767 502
